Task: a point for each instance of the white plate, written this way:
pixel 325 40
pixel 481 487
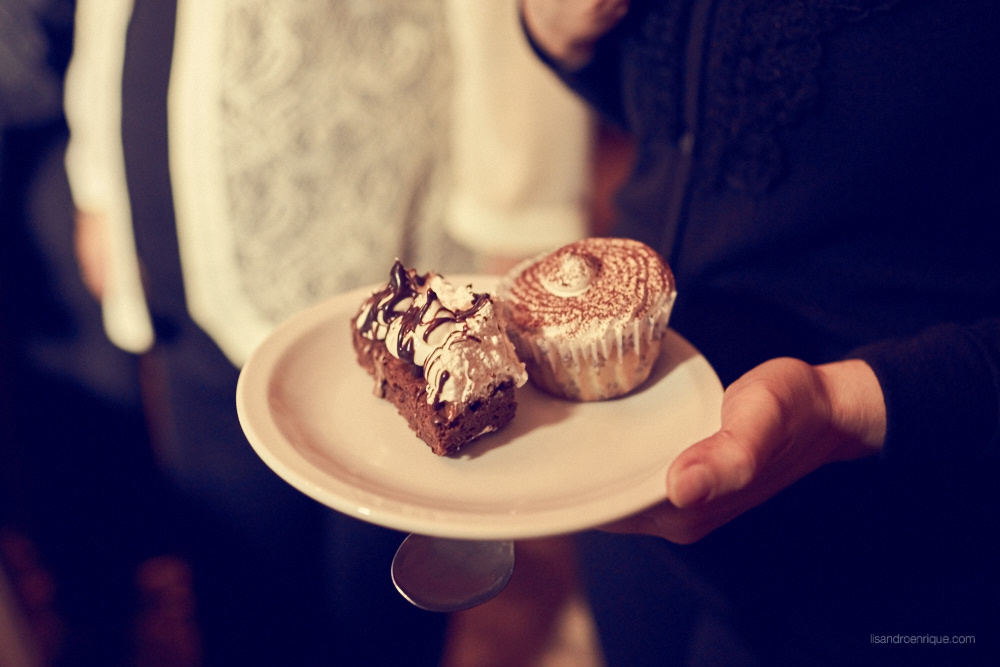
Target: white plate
pixel 309 412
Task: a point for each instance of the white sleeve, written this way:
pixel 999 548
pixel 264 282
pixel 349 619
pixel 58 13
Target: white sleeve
pixel 95 163
pixel 521 143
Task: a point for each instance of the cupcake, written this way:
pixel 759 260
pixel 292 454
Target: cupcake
pixel 588 320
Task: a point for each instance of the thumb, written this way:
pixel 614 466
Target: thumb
pixel 719 465
pixel 753 419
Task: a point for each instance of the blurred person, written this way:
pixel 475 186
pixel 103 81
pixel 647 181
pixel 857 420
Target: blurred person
pixel 822 178
pixel 235 162
pixel 82 508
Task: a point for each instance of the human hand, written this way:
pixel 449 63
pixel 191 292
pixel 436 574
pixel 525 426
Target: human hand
pixel 780 421
pixel 568 29
pixel 89 240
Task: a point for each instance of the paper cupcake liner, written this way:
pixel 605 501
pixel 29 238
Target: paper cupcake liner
pixel 598 366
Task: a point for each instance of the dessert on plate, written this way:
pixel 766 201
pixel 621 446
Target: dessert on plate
pixel 588 320
pixel 438 353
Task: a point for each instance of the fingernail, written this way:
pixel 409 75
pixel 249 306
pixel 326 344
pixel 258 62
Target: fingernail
pixel 692 487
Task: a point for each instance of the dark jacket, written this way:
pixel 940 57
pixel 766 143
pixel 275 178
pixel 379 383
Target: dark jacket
pixel 824 176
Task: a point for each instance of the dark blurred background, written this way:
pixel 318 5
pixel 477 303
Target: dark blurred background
pixel 81 505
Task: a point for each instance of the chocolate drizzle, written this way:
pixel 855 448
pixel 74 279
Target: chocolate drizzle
pixel 402 285
pixel 383 307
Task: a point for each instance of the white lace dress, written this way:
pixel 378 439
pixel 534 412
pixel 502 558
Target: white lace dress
pixel 313 142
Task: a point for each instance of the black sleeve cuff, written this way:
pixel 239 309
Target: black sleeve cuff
pixel 942 392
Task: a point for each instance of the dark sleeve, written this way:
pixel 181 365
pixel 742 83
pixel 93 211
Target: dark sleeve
pixel 599 81
pixel 942 392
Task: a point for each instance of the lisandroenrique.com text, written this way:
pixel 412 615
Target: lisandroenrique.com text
pixel 922 639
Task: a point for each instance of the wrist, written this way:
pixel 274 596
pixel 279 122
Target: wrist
pixel 857 407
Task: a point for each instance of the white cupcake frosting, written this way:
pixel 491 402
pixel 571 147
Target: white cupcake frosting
pixel 572 276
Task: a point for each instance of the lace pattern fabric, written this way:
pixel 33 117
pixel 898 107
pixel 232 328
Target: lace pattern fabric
pixel 326 154
pixel 335 121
